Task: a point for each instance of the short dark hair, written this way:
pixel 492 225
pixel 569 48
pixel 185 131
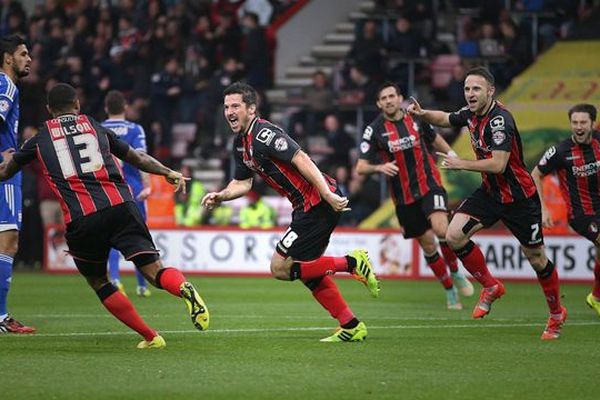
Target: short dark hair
pixel 9 44
pixel 483 72
pixel 586 108
pixel 249 94
pixel 386 85
pixel 114 102
pixel 62 97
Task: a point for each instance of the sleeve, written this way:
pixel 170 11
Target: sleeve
pixel 550 161
pixel 502 130
pixel 276 144
pixel 6 104
pixel 429 134
pixel 27 152
pixel 241 172
pixel 367 146
pixel 117 146
pixel 460 118
pixel 138 140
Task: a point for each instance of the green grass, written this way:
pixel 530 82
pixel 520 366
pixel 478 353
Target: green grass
pixel 264 344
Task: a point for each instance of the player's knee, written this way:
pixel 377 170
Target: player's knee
pixel 9 245
pixel 455 238
pixel 280 269
pixel 537 257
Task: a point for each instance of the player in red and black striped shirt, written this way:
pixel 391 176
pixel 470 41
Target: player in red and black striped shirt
pixel 576 161
pixel 263 148
pixel 402 144
pixel 78 158
pixel 507 194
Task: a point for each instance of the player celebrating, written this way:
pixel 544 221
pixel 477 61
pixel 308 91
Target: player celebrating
pixel 507 193
pixel 139 182
pixel 76 154
pixel 414 182
pixel 264 148
pixel 15 65
pixel 576 160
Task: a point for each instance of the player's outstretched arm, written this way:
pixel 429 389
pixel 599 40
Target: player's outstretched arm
pixel 233 190
pixel 309 170
pixel 363 167
pixel 433 117
pixel 8 167
pixel 151 165
pixel 494 165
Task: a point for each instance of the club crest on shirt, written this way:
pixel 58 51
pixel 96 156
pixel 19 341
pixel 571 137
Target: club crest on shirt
pixel 499 137
pixel 281 144
pixel 364 147
pixel 4 105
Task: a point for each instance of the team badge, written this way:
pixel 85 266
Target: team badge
pixel 364 147
pixel 281 144
pixel 499 137
pixel 4 105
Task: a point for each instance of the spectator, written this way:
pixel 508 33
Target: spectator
pixel 166 91
pixel 255 53
pixel 263 9
pixel 319 100
pixel 257 214
pixel 367 51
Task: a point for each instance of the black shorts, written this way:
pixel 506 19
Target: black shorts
pixel 122 227
pixel 523 218
pixel 414 217
pixel 308 235
pixel 587 226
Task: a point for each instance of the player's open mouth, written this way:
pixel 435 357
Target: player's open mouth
pixel 233 121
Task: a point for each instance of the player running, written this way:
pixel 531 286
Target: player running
pixel 508 194
pixel 398 146
pixel 263 148
pixel 77 157
pixel 576 161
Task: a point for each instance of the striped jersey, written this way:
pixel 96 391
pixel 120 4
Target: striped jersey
pixel 133 134
pixel 496 130
pixel 77 156
pixel 267 150
pixel 578 170
pixel 406 143
pixel 9 119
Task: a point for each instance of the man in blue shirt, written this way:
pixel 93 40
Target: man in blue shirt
pixel 138 181
pixel 15 65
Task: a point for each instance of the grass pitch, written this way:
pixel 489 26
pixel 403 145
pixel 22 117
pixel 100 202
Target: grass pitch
pixel 264 344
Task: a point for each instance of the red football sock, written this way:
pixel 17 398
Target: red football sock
pixel 549 283
pixel 120 306
pixel 170 279
pixel 438 266
pixel 596 289
pixel 328 295
pixel 449 256
pixel 322 266
pixel 474 262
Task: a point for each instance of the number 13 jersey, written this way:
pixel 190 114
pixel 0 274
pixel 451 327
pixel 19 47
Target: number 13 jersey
pixel 77 156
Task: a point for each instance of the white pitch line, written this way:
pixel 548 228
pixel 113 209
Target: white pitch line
pixel 302 329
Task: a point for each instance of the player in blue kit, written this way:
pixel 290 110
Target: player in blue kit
pixel 15 65
pixel 139 182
